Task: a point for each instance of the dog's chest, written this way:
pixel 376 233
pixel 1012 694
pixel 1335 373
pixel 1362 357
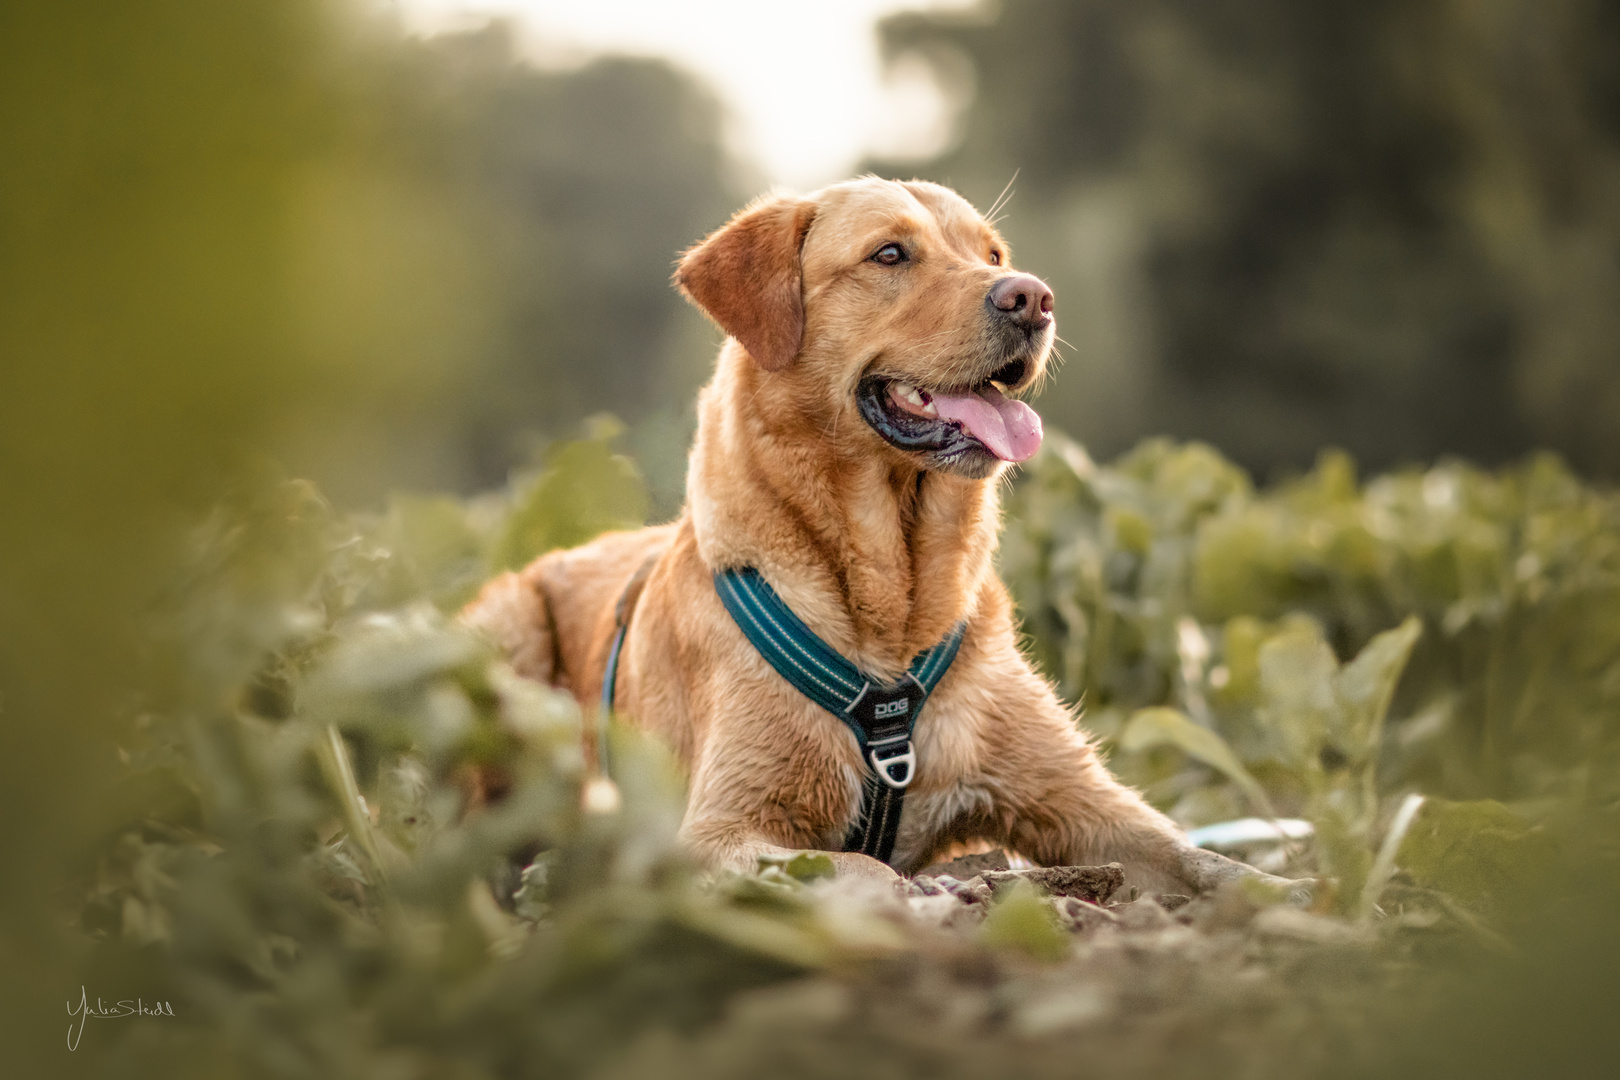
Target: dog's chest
pixel 928 814
pixel 950 790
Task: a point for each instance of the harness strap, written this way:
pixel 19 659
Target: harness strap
pixel 881 715
pixel 610 675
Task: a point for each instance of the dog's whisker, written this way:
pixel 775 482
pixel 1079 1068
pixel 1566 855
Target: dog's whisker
pixel 1002 199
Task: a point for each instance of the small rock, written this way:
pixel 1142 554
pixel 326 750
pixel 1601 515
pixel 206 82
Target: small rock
pixel 1095 883
pixel 946 911
pixel 973 891
pixel 1142 914
pixel 968 866
pixel 1196 912
pixel 1080 916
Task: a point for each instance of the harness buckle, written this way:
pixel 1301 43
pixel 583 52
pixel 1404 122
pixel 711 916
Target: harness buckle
pixel 903 761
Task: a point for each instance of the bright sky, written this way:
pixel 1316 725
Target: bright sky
pixel 802 78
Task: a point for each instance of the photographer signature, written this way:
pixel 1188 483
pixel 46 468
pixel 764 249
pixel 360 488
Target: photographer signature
pixel 127 1007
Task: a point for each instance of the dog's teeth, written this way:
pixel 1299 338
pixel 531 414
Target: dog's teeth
pixel 921 403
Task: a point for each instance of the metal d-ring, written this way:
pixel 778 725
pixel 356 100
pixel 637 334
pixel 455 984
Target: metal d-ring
pixel 906 759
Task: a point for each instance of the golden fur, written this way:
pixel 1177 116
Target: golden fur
pixel 880 554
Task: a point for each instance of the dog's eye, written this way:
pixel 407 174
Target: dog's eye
pixel 995 258
pixel 889 255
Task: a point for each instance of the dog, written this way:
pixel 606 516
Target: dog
pixel 864 407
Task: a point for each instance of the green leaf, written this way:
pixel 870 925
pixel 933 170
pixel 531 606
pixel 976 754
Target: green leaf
pixel 787 941
pixel 805 866
pixel 390 650
pixel 1168 727
pixel 1472 850
pixel 1297 669
pixel 1384 865
pixel 1366 685
pixel 585 489
pixel 1023 921
pixel 441 552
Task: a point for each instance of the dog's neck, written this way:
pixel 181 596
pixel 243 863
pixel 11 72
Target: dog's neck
pixel 879 558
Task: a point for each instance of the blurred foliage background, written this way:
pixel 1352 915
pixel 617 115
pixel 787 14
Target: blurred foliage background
pixel 288 231
pixel 1389 227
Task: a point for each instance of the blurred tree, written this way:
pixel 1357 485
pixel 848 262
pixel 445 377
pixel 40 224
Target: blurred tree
pixel 1390 226
pixel 574 190
pixel 232 229
pixel 158 165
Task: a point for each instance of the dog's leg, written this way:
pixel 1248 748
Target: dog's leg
pixel 736 849
pixel 1065 808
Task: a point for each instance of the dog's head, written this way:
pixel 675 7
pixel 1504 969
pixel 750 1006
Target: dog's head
pixel 890 303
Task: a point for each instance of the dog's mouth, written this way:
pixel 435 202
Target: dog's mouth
pixel 957 426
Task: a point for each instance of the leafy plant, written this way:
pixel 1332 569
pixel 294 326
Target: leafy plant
pixel 353 842
pixel 1474 612
pixel 1328 720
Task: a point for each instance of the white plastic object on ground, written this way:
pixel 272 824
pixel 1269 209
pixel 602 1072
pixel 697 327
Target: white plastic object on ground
pixel 1249 830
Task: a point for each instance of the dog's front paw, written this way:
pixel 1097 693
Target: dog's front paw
pixel 1207 871
pixel 1269 888
pixel 1300 892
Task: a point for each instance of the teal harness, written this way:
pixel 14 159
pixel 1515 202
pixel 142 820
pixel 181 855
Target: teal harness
pixel 881 715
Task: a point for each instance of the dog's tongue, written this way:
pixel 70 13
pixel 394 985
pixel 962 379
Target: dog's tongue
pixel 1009 428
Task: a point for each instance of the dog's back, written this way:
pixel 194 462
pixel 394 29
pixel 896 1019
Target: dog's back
pixel 555 617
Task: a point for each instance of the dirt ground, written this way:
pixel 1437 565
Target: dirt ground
pixel 1082 979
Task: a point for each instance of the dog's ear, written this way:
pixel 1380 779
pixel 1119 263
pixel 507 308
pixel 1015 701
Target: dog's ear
pixel 746 277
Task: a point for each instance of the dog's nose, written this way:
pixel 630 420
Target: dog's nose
pixel 1025 297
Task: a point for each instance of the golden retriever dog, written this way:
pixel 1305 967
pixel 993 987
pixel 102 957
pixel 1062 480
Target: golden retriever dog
pixel 849 448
